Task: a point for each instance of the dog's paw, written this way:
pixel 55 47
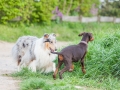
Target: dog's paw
pixel 70 70
pixel 54 77
pixel 84 71
pixel 60 76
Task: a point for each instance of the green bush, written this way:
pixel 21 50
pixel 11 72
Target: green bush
pixel 27 10
pixel 111 9
pixel 103 58
pixel 11 9
pixel 77 7
pixel 43 11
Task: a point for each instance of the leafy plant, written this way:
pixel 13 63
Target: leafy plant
pixel 79 7
pixel 26 11
pixel 15 9
pixel 110 8
pixel 43 11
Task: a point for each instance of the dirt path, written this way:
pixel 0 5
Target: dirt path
pixel 7 66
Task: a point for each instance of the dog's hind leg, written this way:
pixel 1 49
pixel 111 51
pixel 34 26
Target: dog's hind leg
pixel 18 62
pixel 58 66
pixel 18 68
pixel 20 65
pixel 62 71
pixel 66 68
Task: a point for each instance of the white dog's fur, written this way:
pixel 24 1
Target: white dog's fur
pixel 31 51
pixel 21 51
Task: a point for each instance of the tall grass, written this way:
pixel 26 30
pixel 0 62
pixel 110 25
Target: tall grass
pixel 102 61
pixel 103 58
pixel 65 31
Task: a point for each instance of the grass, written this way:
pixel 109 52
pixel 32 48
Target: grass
pixel 32 81
pixel 64 31
pixel 102 60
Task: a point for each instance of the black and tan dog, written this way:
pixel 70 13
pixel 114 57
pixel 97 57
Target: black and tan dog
pixel 73 53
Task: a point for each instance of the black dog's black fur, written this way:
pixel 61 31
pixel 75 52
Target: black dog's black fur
pixel 73 53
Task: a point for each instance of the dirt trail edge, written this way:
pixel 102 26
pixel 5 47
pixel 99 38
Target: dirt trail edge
pixel 7 66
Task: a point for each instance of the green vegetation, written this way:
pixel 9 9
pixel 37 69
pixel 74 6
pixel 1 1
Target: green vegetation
pixel 65 31
pixel 102 61
pixel 27 11
pixel 77 7
pixel 41 11
pixel 110 9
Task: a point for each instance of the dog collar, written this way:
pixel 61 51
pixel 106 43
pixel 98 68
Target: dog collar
pixel 84 42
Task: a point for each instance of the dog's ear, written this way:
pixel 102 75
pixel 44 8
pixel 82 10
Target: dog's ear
pixel 81 34
pixel 54 34
pixel 46 35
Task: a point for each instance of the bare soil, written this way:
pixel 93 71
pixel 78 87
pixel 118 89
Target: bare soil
pixel 7 66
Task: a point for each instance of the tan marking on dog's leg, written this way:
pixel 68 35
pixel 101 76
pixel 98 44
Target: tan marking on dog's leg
pixel 71 68
pixel 83 70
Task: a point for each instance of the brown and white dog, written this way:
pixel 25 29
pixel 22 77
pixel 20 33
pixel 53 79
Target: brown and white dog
pixel 28 48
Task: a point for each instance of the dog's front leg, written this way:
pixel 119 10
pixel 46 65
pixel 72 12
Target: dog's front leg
pixel 82 64
pixel 32 66
pixel 54 67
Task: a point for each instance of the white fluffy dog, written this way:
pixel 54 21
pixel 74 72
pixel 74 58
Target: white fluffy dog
pixel 35 52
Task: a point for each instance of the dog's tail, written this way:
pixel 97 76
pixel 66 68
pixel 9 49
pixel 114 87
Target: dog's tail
pixel 56 53
pixel 60 56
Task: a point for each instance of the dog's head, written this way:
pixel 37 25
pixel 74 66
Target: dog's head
pixel 87 35
pixel 50 42
pixel 53 40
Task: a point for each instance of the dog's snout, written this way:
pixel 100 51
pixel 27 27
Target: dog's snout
pixel 91 39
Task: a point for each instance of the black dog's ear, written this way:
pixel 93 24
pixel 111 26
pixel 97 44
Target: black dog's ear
pixel 81 34
pixel 46 35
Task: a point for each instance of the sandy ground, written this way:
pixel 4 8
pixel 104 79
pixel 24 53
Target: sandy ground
pixel 7 66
